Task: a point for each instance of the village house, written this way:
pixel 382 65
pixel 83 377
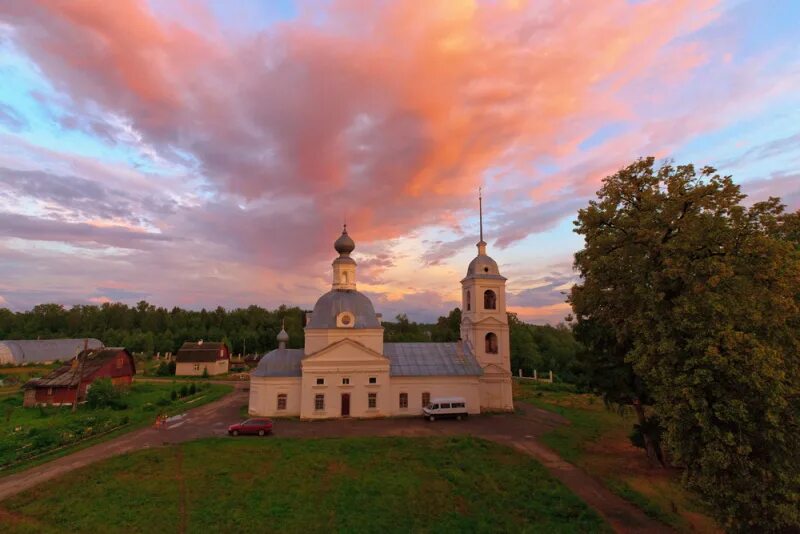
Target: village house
pixel 74 379
pixel 346 369
pixel 195 358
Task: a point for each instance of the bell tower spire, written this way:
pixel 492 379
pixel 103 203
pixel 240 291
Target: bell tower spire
pixel 484 324
pixel 480 209
pixel 481 243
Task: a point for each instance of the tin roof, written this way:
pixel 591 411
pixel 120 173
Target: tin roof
pixel 280 362
pixel 406 359
pixel 21 351
pixel 431 359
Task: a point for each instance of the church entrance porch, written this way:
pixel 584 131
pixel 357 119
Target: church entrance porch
pixel 345 405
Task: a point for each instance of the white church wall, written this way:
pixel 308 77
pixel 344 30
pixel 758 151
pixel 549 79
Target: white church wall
pixel 317 339
pixel 264 393
pixel 437 386
pixel 496 394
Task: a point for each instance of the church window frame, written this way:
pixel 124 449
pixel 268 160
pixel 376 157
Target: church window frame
pixel 373 380
pixel 489 300
pixel 320 381
pixel 346 381
pixel 319 402
pixel 426 398
pixel 282 400
pixel 490 343
pixel 372 401
pixel 404 401
pixel 468 301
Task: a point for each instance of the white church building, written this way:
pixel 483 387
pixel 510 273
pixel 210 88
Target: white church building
pixel 346 369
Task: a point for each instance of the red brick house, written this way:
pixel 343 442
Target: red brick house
pixel 61 386
pixel 209 356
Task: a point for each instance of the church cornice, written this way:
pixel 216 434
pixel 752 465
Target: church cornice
pixel 486 321
pixel 345 341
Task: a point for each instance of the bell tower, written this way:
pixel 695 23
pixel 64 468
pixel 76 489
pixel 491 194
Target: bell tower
pixel 484 325
pixel 344 267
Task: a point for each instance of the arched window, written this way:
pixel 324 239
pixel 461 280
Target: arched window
pixel 489 300
pixel 491 343
pixel 344 277
pixel 469 299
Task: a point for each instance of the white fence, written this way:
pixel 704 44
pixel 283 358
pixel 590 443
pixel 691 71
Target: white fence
pixel 548 378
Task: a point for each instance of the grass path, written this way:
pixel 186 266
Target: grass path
pixel 596 440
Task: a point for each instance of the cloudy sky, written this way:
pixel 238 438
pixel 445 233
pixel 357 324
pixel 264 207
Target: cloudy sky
pixel 206 153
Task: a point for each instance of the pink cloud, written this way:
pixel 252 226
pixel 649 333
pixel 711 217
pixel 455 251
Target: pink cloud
pixel 340 114
pixel 385 114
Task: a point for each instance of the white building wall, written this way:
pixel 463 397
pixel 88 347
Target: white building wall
pixel 358 388
pixel 317 339
pixel 264 393
pixel 438 386
pixel 217 367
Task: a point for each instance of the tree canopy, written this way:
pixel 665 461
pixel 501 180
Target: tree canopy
pixel 691 298
pixel 147 328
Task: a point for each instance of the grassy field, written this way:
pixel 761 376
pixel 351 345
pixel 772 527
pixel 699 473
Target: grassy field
pixel 28 433
pixel 597 441
pixel 312 485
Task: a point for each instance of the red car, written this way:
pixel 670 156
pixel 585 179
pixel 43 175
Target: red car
pixel 262 427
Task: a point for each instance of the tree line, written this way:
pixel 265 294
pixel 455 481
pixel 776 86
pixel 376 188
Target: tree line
pixel 148 329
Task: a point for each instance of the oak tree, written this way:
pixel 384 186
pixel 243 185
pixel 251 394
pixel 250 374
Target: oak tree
pixel 699 295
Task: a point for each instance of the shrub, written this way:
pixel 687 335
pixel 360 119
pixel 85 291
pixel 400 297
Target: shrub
pixel 192 389
pixel 205 372
pixel 163 402
pixel 166 369
pixel 103 394
pixel 173 395
pixel 184 390
pixel 45 438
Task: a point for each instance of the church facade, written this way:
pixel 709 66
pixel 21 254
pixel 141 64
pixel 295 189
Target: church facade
pixel 346 369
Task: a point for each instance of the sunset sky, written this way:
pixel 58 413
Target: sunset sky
pixel 199 154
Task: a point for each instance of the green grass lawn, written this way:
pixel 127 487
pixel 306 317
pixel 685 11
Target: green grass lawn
pixel 308 485
pixel 597 441
pixel 28 433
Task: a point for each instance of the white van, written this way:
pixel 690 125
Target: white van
pixel 446 407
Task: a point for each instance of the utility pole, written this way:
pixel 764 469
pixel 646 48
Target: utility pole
pixel 80 372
